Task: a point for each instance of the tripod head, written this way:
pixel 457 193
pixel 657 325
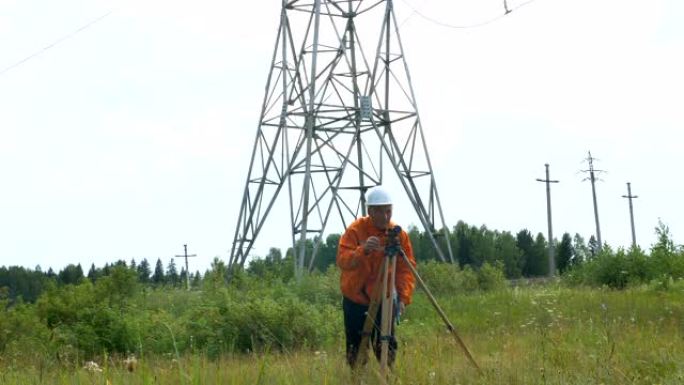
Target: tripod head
pixel 392 246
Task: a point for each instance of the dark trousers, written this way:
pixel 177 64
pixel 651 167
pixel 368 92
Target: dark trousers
pixel 354 317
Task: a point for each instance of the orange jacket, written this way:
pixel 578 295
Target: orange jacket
pixel 360 270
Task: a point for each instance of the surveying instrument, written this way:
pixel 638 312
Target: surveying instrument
pixel 383 302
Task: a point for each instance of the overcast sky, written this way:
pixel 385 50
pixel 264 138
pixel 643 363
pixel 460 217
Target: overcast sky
pixel 126 127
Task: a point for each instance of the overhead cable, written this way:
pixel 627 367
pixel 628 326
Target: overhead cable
pixel 56 42
pixel 507 10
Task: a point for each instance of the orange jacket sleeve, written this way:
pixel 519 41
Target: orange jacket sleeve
pixel 405 281
pixel 350 254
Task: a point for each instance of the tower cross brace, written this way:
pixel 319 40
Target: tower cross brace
pixel 338 112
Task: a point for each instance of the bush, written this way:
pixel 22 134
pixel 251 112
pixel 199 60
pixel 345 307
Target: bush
pixel 91 318
pixel 667 262
pixel 440 278
pixel 318 288
pixel 491 277
pixel 22 335
pixel 621 269
pixel 447 279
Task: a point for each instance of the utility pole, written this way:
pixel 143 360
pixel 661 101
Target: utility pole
pixel 631 211
pixel 592 171
pixel 552 259
pixel 187 271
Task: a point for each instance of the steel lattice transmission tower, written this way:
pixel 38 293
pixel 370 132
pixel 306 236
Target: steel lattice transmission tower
pixel 339 109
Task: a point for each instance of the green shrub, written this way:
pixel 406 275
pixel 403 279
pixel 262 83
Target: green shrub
pixel 491 277
pixel 21 332
pixel 667 262
pixel 621 269
pixel 318 288
pixel 440 278
pixel 446 279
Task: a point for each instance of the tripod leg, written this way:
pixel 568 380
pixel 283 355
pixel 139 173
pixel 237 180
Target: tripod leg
pixel 369 323
pixel 386 319
pixel 384 329
pixel 441 313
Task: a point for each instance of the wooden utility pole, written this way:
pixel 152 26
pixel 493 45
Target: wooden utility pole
pixel 592 171
pixel 187 271
pixel 631 211
pixel 552 258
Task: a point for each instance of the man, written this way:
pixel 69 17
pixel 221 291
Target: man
pixel 360 257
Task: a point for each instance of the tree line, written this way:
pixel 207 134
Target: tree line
pixel 129 307
pixel 17 282
pixel 519 255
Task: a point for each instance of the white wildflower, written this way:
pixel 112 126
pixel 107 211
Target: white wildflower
pixel 131 363
pixel 92 366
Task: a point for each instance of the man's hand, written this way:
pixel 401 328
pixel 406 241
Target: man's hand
pixel 402 307
pixel 372 243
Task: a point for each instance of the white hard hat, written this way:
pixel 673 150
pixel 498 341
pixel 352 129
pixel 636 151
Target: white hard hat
pixel 378 196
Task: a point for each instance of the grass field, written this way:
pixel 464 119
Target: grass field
pixel 538 335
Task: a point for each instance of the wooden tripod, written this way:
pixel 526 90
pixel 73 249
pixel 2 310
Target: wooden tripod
pixel 384 295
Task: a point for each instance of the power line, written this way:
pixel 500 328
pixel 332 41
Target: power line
pixel 507 10
pixel 56 42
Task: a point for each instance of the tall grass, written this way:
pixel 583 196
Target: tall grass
pixel 542 335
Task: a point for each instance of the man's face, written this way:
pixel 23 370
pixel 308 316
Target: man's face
pixel 380 215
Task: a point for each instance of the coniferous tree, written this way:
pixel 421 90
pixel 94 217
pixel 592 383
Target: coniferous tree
pixel 525 244
pixel 416 238
pixel 483 245
pixel 183 277
pixel 92 273
pixel 196 279
pixel 423 249
pixel 327 253
pixel 144 271
pixel 580 248
pixel 19 283
pixel 534 253
pixel 564 253
pixel 106 269
pixel 120 262
pixel 158 277
pixel 172 273
pixel 282 267
pixel 465 242
pixel 510 255
pixel 70 275
pixel 540 257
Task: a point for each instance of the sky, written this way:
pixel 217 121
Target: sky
pixel 126 127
